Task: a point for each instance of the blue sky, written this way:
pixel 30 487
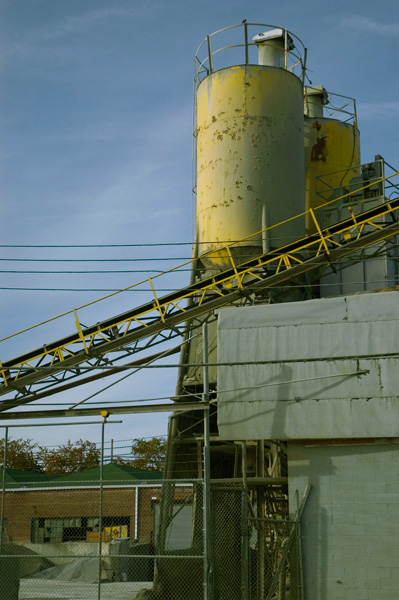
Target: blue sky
pixel 96 128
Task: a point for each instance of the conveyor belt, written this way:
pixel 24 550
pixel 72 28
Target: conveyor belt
pixel 271 269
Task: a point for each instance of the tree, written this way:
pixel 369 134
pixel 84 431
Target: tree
pixel 149 454
pixel 70 458
pixel 21 455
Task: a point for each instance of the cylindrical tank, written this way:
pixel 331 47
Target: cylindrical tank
pixel 250 159
pixel 332 151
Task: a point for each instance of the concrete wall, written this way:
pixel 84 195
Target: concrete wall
pixel 350 524
pixel 326 369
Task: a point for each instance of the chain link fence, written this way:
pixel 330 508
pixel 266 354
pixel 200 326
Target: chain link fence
pixel 80 539
pixel 97 536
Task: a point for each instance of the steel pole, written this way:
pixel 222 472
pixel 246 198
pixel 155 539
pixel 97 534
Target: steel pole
pixel 245 532
pixel 208 558
pixel 260 504
pixel 3 490
pixel 100 521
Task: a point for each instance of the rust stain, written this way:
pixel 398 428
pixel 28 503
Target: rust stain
pixel 319 149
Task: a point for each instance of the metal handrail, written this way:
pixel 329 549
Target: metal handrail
pixel 205 65
pixel 323 187
pixel 331 110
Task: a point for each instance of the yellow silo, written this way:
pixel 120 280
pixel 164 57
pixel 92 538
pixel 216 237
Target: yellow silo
pixel 250 153
pixel 332 152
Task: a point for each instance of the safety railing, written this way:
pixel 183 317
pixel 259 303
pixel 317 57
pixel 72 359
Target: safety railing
pixel 337 106
pixel 237 39
pixel 375 179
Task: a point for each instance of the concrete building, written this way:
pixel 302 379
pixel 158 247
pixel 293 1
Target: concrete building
pixel 325 382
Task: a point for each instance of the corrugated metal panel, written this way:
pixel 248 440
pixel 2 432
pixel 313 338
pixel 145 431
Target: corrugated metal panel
pixel 309 387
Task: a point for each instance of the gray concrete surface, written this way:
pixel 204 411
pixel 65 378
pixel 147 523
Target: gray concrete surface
pixel 45 589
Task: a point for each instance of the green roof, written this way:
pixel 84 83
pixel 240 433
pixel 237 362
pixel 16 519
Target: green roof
pixel 111 472
pixel 16 476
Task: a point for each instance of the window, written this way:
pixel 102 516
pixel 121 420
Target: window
pixel 74 529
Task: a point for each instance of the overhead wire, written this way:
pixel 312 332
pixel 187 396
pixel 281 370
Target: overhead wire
pixel 248 288
pixel 177 270
pixel 199 395
pixel 160 258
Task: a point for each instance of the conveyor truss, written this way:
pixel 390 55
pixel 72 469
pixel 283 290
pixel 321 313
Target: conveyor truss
pixel 44 370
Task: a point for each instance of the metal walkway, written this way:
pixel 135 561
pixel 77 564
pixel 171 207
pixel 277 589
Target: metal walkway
pixel 162 315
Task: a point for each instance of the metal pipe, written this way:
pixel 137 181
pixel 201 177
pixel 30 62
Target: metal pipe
pixel 3 490
pixel 208 555
pixel 209 54
pixel 285 48
pixel 57 424
pixel 136 512
pixel 299 546
pixel 260 506
pixel 246 42
pixel 265 240
pixel 304 66
pixel 115 410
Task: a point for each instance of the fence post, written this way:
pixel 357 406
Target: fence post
pixel 208 558
pixel 100 519
pixel 245 533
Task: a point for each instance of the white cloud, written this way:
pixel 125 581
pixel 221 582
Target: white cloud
pixel 65 27
pixel 375 110
pixel 368 25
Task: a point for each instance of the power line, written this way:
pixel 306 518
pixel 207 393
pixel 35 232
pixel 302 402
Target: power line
pixel 29 289
pixel 248 287
pixel 144 245
pixel 116 441
pixel 160 258
pixel 148 245
pixel 177 270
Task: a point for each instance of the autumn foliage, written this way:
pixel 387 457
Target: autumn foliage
pixel 149 454
pixel 25 455
pixel 70 458
pixel 73 457
pixel 21 455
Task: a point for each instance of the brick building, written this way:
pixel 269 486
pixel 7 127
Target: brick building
pixel 41 509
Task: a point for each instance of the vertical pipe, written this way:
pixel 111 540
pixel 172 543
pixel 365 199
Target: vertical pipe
pixel 112 451
pixel 285 48
pixel 260 508
pixel 200 473
pixel 209 54
pixel 299 546
pixel 236 459
pixel 100 520
pixel 246 42
pixel 3 490
pixel 208 558
pixel 304 66
pixel 136 512
pixel 195 71
pixel 245 533
pixel 265 239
